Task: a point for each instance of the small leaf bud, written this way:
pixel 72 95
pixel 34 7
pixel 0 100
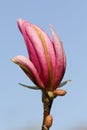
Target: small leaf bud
pixel 48 121
pixel 59 92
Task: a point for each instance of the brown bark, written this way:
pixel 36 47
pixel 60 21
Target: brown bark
pixel 47 104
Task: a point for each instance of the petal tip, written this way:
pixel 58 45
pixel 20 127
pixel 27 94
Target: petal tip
pixel 19 19
pixel 19 22
pixel 51 27
pixel 13 60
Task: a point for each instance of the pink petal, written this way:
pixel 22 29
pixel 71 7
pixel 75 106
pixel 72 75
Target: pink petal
pixel 30 70
pixel 31 50
pixel 52 57
pixel 61 60
pixel 33 42
pixel 37 44
pixel 20 22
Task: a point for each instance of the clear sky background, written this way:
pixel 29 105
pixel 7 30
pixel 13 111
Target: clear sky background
pixel 21 107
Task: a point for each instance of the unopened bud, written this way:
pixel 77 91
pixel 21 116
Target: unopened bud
pixel 48 121
pixel 59 92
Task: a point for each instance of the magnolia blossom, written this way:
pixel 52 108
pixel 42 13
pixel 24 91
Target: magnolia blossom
pixel 46 63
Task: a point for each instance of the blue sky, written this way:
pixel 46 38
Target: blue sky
pixel 20 107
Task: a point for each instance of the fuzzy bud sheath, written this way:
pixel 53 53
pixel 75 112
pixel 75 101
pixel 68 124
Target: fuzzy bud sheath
pixel 45 65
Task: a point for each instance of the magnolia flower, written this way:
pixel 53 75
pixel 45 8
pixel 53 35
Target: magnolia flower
pixel 46 63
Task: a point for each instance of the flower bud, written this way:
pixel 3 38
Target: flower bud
pixel 59 92
pixel 43 67
pixel 48 121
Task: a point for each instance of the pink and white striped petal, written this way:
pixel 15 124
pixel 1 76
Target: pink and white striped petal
pixel 30 47
pixel 37 45
pixel 30 70
pixel 51 59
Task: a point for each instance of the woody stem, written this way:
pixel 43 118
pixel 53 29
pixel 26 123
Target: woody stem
pixel 47 104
